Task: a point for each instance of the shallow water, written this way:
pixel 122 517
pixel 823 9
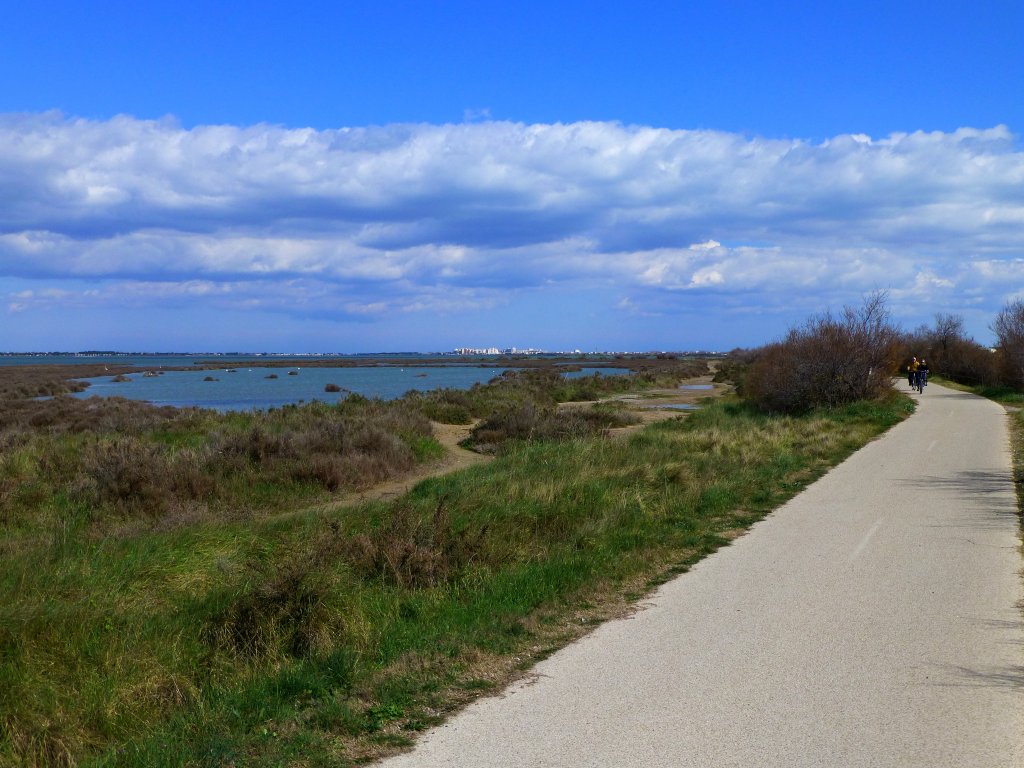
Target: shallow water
pixel 151 360
pixel 250 388
pixel 675 407
pixel 696 386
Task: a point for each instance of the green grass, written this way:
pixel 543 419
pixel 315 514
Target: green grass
pixel 1003 395
pixel 325 637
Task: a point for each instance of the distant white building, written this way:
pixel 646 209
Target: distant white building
pixel 496 351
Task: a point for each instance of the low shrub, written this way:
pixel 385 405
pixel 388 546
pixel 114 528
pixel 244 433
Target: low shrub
pixel 19 382
pixel 413 550
pixel 64 415
pixel 530 421
pixel 136 460
pixel 281 615
pixel 446 412
pixel 545 387
pixel 136 477
pixel 125 473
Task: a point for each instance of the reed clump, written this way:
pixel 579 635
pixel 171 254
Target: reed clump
pixel 280 616
pixel 413 550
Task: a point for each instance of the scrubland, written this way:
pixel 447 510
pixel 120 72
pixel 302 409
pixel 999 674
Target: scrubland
pixel 182 589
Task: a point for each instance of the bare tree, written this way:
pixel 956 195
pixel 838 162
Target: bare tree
pixel 1009 329
pixel 948 330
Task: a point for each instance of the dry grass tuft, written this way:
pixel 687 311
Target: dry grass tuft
pixel 41 746
pixel 414 551
pixel 282 615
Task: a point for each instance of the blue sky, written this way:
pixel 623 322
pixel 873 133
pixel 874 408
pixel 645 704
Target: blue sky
pixel 396 176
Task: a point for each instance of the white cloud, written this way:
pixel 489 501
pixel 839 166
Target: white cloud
pixel 705 277
pixel 416 218
pixel 709 245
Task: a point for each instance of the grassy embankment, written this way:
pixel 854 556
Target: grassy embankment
pixel 215 630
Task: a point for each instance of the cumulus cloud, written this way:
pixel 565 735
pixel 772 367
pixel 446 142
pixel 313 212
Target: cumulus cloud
pixel 435 218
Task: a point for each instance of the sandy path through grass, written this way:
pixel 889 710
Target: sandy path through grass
pixel 649 406
pixel 456 458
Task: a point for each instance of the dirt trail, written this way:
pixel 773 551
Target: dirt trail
pixel 652 405
pixel 456 458
pixel 661 404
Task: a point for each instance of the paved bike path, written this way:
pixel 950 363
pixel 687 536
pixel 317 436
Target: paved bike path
pixel 871 621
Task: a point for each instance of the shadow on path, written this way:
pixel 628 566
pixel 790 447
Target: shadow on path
pixel 1008 678
pixel 989 496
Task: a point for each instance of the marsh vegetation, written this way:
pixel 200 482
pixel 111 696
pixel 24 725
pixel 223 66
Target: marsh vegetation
pixel 182 589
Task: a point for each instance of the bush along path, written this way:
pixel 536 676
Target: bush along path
pixel 333 635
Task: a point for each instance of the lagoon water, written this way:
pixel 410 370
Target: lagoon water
pixel 249 388
pixel 168 359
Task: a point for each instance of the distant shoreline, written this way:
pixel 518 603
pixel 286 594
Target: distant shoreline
pixel 347 355
pixel 204 361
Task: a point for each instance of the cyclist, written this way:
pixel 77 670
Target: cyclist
pixel 922 375
pixel 912 373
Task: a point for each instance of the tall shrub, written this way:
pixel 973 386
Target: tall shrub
pixel 1009 330
pixel 828 361
pixel 951 352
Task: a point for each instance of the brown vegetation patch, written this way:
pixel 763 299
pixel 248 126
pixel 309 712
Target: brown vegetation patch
pixel 414 551
pixel 26 381
pixel 282 613
pixel 827 362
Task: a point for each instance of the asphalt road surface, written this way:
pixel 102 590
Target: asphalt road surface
pixel 871 621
